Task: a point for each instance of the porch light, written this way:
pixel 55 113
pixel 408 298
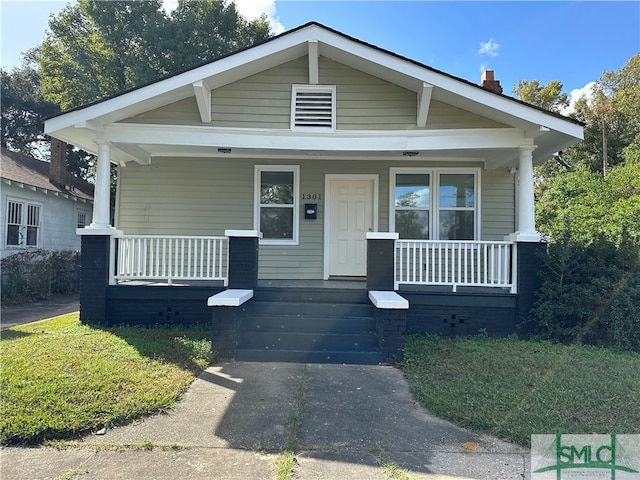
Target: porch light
pixel 224 150
pixel 410 154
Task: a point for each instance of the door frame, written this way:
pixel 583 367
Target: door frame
pixel 328 177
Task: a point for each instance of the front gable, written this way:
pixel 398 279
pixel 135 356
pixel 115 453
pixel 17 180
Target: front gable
pixel 385 105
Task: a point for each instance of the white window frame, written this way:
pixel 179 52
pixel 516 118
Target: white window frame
pixel 295 89
pixel 87 217
pixel 434 192
pixel 24 223
pixel 295 169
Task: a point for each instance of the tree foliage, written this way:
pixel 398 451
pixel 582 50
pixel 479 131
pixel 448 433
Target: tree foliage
pixel 549 96
pixel 96 49
pixel 23 110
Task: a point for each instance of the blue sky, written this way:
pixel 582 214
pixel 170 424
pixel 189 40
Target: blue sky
pixel 573 42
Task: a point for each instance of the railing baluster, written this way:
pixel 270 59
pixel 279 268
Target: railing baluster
pixel 434 262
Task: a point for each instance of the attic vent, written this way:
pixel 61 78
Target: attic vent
pixel 313 107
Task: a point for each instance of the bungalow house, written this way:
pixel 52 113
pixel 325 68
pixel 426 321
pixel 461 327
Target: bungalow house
pixel 317 197
pixel 42 204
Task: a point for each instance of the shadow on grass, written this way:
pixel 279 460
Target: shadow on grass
pixel 186 347
pixel 13 334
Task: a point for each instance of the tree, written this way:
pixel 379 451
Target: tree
pixel 23 110
pixel 549 96
pixel 96 49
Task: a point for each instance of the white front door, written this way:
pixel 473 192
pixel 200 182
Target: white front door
pixel 350 215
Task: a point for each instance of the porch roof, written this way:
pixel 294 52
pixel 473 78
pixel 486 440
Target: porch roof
pixel 527 124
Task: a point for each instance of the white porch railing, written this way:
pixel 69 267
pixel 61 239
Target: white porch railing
pixel 454 263
pixel 168 258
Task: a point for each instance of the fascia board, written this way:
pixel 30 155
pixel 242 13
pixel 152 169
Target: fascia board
pixel 412 76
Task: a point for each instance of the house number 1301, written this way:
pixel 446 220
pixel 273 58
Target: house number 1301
pixel 311 196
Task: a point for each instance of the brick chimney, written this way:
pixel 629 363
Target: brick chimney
pixel 488 82
pixel 58 174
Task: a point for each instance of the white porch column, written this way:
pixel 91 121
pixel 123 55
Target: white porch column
pixel 526 226
pixel 102 194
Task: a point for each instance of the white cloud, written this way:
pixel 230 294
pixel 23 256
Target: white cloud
pixel 250 9
pixel 576 94
pixel 169 5
pixel 489 48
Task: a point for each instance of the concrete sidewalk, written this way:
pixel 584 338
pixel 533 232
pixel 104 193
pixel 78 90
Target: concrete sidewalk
pixel 13 315
pixel 233 421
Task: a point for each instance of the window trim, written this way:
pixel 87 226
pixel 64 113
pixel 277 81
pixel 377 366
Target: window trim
pixel 434 203
pixel 23 225
pixel 86 213
pixel 296 88
pixel 295 169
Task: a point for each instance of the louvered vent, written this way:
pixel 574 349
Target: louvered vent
pixel 313 108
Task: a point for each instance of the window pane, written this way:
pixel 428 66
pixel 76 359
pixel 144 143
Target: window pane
pixel 276 223
pixel 276 188
pixel 32 236
pixel 413 224
pixel 456 225
pixel 13 235
pixel 412 190
pixel 457 190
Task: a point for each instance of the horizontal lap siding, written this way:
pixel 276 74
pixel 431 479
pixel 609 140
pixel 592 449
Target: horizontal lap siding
pixel 498 204
pixel 363 102
pixel 185 197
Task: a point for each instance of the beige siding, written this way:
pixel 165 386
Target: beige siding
pixel 498 204
pixel 363 102
pixel 442 115
pixel 207 196
pixel 184 112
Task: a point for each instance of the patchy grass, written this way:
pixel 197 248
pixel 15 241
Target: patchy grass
pixel 286 462
pixel 60 378
pixel 512 388
pixel 390 468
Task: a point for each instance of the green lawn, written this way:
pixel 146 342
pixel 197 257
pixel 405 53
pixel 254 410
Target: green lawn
pixel 512 388
pixel 60 378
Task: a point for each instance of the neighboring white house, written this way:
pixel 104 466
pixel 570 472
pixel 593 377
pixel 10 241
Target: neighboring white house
pixel 41 203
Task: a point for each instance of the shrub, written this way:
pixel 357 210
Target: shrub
pixel 590 294
pixel 39 274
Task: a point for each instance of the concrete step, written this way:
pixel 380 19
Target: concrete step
pixel 304 356
pixel 313 341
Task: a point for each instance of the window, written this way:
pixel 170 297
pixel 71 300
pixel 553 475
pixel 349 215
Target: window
pixel 83 218
pixel 276 190
pixel 433 204
pixel 313 107
pixel 23 224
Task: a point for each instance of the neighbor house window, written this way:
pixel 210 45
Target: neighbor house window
pixel 276 214
pixel 83 218
pixel 313 107
pixel 23 224
pixel 434 205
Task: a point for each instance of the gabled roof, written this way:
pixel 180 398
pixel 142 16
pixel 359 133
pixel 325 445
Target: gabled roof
pixel 23 170
pixel 552 132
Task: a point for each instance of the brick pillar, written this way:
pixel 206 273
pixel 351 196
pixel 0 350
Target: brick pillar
pixel 380 260
pixel 529 259
pixel 243 258
pixel 391 327
pixel 224 331
pixel 94 278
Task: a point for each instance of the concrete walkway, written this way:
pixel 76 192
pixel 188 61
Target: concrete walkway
pixel 234 420
pixel 12 315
